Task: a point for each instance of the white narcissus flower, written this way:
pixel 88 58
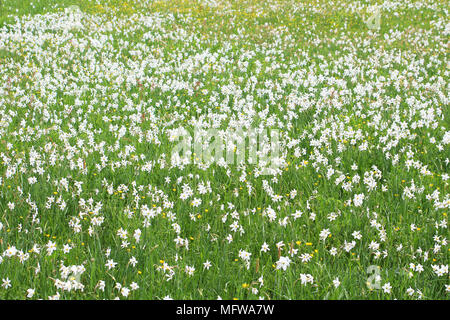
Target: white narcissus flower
pixel 283 263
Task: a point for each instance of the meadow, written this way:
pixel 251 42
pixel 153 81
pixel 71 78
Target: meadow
pixel 94 95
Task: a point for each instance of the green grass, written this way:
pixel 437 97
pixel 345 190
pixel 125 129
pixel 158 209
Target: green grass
pixel 309 60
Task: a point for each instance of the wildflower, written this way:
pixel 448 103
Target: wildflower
pixel 265 247
pixel 133 261
pixel 324 234
pixel 336 282
pixel 30 293
pixel 283 263
pixel 51 247
pixel 6 283
pixel 207 265
pixel 125 291
pixel 358 199
pixel 110 264
pixel 387 287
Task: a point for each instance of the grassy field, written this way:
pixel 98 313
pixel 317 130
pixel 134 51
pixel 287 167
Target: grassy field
pixel 95 95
